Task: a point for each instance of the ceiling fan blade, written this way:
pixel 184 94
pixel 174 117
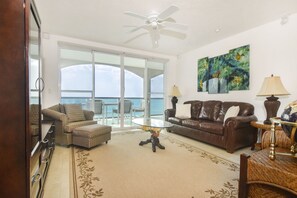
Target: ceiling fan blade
pixel 135 15
pixel 168 19
pixel 135 37
pixel 167 12
pixel 175 25
pixel 137 28
pixel 155 36
pixel 172 33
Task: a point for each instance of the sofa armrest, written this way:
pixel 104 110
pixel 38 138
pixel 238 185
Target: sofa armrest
pixel 55 115
pixel 239 133
pixel 89 115
pixel 169 113
pixel 240 121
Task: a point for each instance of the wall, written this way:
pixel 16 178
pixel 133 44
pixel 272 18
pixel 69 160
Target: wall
pixel 273 50
pixel 51 68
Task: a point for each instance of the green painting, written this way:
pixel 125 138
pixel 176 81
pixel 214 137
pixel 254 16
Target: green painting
pixel 238 61
pixel 203 75
pixel 225 73
pixel 218 81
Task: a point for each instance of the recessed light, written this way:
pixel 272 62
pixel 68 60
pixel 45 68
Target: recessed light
pixel 218 29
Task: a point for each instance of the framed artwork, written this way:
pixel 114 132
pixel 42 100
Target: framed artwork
pixel 203 75
pixel 239 63
pixel 217 82
pixel 224 73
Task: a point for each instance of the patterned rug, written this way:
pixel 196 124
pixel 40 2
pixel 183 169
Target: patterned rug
pixel 124 169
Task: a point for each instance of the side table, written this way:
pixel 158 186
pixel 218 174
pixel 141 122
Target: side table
pixel 261 129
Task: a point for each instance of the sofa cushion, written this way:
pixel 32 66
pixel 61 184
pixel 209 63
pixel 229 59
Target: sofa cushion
pixel 246 109
pixel 71 126
pixel 195 108
pixel 212 127
pixel 210 110
pixel 175 120
pixel 191 123
pixel 231 112
pixel 74 112
pixel 183 111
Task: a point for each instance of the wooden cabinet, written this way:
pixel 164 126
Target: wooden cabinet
pixel 40 160
pixel 23 151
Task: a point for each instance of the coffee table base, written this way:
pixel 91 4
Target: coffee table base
pixel 155 143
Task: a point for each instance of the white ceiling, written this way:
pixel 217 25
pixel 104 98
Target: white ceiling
pixel 103 20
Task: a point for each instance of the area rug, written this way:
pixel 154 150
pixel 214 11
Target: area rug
pixel 123 169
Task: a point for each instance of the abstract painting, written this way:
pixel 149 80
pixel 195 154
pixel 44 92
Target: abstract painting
pixel 203 75
pixel 224 73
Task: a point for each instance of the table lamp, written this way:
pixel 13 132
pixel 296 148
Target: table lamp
pixel 272 86
pixel 174 93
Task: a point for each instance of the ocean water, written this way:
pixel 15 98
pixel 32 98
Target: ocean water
pixel 156 104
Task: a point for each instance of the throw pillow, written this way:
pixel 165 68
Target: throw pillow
pixel 74 112
pixel 231 112
pixel 183 111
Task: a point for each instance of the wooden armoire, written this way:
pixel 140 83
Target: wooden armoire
pixel 19 31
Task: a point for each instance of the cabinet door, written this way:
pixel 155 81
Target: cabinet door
pixel 35 82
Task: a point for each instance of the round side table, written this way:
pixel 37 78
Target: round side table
pixel 261 129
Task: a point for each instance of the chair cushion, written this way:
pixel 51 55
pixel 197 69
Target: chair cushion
pixel 71 126
pixel 91 131
pixel 74 112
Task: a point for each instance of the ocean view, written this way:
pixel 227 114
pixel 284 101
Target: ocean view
pixel 156 105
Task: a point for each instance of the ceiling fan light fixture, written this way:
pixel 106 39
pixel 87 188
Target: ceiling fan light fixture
pixel 154 25
pixel 156 22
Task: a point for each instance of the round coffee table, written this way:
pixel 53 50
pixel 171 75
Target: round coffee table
pixel 153 126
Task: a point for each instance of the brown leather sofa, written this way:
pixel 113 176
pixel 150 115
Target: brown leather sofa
pixel 206 124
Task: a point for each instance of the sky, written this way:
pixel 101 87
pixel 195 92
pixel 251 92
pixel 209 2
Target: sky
pixel 107 81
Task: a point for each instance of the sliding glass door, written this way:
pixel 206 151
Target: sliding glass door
pixel 118 88
pixel 155 78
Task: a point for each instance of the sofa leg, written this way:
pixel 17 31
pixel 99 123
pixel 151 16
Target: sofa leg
pixel 230 150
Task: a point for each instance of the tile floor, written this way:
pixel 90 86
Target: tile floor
pixel 59 182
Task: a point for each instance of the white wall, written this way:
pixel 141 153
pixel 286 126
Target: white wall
pixel 273 50
pixel 51 68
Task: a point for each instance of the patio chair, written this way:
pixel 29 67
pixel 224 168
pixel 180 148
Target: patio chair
pixel 137 110
pixel 127 110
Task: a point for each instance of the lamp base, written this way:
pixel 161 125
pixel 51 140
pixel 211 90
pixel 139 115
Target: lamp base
pixel 174 101
pixel 271 105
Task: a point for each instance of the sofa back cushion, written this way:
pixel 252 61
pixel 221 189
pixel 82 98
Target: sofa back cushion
pixel 74 112
pixel 245 109
pixel 195 108
pixel 55 108
pixel 210 110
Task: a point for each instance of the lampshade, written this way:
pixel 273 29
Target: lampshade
pixel 175 91
pixel 273 86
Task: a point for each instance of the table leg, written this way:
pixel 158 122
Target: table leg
pixel 155 142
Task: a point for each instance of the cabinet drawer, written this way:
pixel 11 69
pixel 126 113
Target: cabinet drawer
pixel 35 184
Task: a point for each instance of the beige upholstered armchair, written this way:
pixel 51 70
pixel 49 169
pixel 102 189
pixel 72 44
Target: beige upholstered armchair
pixel 67 117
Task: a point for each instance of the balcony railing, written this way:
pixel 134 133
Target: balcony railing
pixel 156 104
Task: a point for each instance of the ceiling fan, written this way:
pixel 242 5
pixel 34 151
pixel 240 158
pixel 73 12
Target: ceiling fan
pixel 157 23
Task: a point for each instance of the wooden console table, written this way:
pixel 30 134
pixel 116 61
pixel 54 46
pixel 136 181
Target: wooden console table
pixel 262 177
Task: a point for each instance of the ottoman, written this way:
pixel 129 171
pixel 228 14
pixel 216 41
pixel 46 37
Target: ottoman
pixel 91 135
